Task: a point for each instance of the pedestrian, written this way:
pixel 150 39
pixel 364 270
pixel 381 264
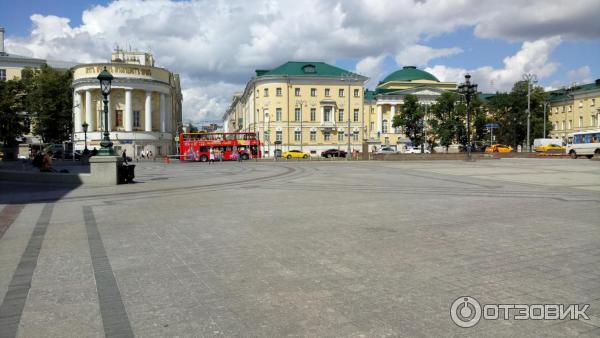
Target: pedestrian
pixel 124 155
pixel 211 156
pixel 47 163
pixel 143 154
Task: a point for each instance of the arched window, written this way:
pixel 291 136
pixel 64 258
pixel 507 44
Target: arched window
pixel 384 127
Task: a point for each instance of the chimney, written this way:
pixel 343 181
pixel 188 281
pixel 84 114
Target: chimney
pixel 1 40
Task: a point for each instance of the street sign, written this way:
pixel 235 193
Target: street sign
pixel 492 126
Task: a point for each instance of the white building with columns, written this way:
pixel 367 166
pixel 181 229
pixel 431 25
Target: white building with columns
pixel 145 105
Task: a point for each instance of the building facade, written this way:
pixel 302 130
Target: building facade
pixel 308 106
pixel 387 99
pixel 574 109
pixel 145 105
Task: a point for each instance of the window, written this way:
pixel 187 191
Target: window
pixel 278 92
pixel 266 92
pixel 2 74
pixel 278 114
pixel 119 118
pixel 297 135
pixel 298 114
pixel 267 136
pixel 313 135
pixel 327 136
pixel 327 92
pixel 340 136
pixel 313 114
pixel 257 93
pixel 313 92
pixel 356 93
pixel 278 135
pixel 593 121
pixel 580 121
pixel 297 91
pixel 580 103
pixel 341 93
pixel 593 103
pixel 327 114
pixel 384 127
pixel 372 126
pixel 355 115
pixel 355 136
pixel 341 115
pixel 569 124
pixel 136 118
pixel 555 125
pixel 569 109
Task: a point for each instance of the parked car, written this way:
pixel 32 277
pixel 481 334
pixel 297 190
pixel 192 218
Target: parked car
pixel 550 148
pixel 498 148
pixel 333 153
pixel 386 150
pixel 417 150
pixel 294 154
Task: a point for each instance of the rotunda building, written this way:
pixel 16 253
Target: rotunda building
pixel 144 106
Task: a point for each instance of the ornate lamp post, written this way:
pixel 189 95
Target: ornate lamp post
pixel 468 90
pixel 85 129
pixel 106 146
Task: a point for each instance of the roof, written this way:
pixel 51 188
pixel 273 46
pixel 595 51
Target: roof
pixel 309 69
pixel 562 94
pixel 409 73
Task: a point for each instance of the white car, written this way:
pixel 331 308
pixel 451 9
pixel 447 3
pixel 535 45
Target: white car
pixel 417 150
pixel 386 150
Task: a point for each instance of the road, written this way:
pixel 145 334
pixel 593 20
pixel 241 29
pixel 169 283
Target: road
pixel 357 249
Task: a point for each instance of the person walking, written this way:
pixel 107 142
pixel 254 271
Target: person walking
pixel 124 155
pixel 211 156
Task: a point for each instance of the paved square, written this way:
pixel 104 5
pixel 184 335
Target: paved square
pixel 361 249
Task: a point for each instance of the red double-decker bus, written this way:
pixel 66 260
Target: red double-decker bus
pixel 225 146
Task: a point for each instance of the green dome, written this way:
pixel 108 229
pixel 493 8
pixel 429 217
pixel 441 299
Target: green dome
pixel 409 73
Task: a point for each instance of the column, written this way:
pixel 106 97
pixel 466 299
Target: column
pixel 88 111
pixel 379 118
pixel 163 114
pixel 77 112
pixel 110 113
pixel 128 111
pixel 392 114
pixel 148 112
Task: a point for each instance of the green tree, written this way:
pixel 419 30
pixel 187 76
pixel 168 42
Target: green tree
pixel 447 119
pixel 50 102
pixel 12 117
pixel 191 128
pixel 411 119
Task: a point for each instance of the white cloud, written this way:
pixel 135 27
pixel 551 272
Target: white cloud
pixel 580 75
pixel 419 55
pixel 533 57
pixel 216 45
pixel 372 67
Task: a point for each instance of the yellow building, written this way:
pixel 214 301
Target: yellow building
pixel 386 101
pixel 144 104
pixel 11 65
pixel 574 109
pixel 308 106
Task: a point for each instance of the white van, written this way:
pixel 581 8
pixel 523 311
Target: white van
pixel 584 143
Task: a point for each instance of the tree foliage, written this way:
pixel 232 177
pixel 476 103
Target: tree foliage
pixel 447 119
pixel 50 102
pixel 12 111
pixel 411 119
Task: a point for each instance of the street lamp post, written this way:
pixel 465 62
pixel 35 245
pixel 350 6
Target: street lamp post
pixel 468 90
pixel 529 78
pixel 545 103
pixel 85 129
pixel 106 146
pixel 300 103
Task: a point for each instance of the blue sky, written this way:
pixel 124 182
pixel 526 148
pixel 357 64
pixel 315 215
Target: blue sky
pixel 216 46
